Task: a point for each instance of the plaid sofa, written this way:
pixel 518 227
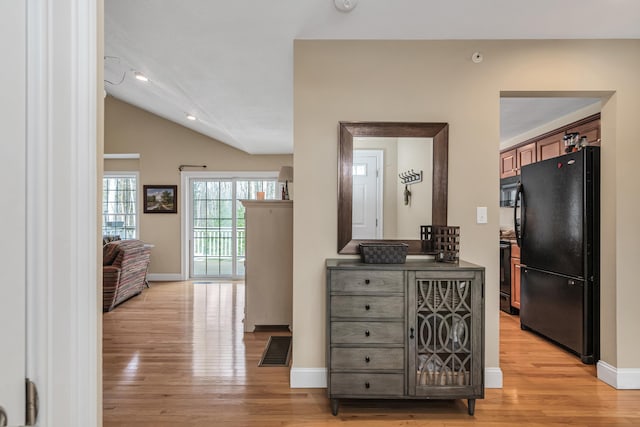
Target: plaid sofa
pixel 124 270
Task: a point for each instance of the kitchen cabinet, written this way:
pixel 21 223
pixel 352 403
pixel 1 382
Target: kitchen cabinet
pixel 591 130
pixel 547 146
pixel 512 160
pixel 508 164
pixel 405 331
pixel 551 146
pixel 515 276
pixel 525 155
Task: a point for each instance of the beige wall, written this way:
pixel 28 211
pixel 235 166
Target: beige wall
pixel 437 81
pixel 163 146
pixel 414 154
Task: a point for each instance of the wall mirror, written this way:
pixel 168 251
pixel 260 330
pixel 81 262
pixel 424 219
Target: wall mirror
pixel 428 144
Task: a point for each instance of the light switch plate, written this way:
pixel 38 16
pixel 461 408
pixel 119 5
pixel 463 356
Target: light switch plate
pixel 481 215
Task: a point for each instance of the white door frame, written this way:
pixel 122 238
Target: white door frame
pixel 63 303
pixel 13 207
pixel 379 155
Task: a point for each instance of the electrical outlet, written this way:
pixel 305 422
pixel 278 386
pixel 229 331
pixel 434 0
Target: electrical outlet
pixel 481 215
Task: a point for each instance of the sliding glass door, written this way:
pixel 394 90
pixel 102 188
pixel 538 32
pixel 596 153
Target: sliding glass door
pixel 217 236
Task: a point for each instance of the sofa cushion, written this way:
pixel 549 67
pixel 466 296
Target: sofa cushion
pixel 110 252
pixel 109 238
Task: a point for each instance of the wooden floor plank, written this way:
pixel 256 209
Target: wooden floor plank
pixel 177 356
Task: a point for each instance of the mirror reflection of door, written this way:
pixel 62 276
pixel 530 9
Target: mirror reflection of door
pixel 367 194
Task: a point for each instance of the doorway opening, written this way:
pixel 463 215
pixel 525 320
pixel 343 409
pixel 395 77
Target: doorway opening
pixel 536 131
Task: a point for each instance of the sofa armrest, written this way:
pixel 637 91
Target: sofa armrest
pixel 110 275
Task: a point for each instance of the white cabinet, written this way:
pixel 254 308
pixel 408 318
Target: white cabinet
pixel 269 263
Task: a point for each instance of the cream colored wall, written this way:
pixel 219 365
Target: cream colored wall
pixel 437 81
pixel 121 165
pixel 414 154
pixel 163 146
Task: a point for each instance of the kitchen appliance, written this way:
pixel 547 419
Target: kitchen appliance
pixel 508 188
pixel 505 277
pixel 559 236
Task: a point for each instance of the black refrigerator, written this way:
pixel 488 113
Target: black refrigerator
pixel 558 202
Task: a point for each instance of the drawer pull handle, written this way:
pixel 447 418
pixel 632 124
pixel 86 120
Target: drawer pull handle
pixel 367 307
pixel 367 385
pixel 367 281
pixel 367 333
pixel 367 359
pixel 411 333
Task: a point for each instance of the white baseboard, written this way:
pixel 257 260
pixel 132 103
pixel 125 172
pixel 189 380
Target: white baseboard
pixel 492 378
pixel 164 277
pixel 317 378
pixel 308 378
pixel 619 378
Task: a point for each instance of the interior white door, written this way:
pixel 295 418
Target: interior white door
pixel 366 210
pixel 13 212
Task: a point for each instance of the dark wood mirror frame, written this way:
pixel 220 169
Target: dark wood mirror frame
pixel 348 130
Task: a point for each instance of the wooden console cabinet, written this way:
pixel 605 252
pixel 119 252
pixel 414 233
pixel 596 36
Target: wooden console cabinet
pixel 405 331
pixel 269 263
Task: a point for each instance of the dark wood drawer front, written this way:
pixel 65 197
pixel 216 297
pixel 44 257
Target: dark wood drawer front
pixel 367 358
pixel 367 384
pixel 367 332
pixel 367 281
pixel 367 306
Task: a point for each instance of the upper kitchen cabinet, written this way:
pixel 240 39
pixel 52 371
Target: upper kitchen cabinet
pixel 547 146
pixel 551 146
pixel 512 160
pixel 525 155
pixel 508 165
pixel 590 129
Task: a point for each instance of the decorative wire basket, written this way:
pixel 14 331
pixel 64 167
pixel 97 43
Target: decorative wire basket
pixel 443 240
pixel 384 253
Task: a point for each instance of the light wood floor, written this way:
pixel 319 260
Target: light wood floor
pixel 177 356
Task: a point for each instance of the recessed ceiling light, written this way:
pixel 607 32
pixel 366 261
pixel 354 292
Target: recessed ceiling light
pixel 345 5
pixel 141 76
pixel 190 117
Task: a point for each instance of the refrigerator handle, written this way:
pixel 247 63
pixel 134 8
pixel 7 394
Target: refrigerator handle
pixel 519 229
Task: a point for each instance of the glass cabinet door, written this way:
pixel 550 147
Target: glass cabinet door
pixel 444 319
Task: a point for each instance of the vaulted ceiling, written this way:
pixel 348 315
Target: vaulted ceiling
pixel 229 64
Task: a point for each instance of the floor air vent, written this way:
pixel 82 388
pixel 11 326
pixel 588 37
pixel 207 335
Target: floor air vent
pixel 277 352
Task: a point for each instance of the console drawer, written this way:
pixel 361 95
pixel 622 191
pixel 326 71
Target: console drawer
pixel 365 384
pixel 367 281
pixel 367 306
pixel 367 332
pixel 367 358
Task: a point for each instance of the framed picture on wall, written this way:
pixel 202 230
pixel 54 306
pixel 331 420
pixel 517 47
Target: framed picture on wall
pixel 160 198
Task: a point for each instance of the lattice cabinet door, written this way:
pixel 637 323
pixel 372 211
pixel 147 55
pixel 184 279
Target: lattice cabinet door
pixel 445 320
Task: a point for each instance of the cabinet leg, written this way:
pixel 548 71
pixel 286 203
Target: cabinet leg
pixel 472 406
pixel 587 360
pixel 335 405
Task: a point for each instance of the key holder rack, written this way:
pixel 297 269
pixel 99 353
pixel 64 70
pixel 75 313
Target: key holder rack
pixel 410 177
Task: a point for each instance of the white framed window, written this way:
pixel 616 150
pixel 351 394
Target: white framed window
pixel 120 204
